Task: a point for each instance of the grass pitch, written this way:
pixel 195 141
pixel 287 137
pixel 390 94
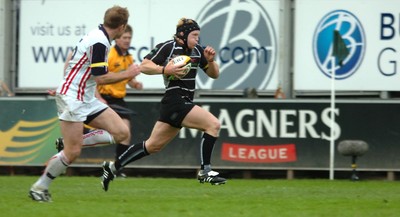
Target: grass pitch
pixel 164 197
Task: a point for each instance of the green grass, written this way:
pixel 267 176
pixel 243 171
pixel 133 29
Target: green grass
pixel 163 197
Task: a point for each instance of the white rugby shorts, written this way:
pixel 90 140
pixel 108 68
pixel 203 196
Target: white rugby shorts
pixel 71 109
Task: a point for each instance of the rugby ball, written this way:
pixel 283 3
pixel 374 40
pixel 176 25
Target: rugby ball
pixel 181 61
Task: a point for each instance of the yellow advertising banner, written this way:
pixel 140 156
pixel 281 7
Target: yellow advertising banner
pixel 28 130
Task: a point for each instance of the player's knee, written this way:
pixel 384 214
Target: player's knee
pixel 76 154
pixel 122 134
pixel 72 153
pixel 152 148
pixel 214 127
pixel 121 137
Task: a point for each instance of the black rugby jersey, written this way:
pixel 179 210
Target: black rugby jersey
pixel 165 51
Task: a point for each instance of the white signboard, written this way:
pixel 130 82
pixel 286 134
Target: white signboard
pixel 244 33
pixel 370 30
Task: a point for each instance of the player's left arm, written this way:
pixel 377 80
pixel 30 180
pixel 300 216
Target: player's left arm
pixel 212 68
pixel 99 67
pixel 5 87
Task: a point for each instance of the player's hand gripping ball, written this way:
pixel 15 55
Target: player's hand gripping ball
pixel 181 61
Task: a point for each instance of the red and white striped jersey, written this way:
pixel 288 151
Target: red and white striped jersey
pixel 89 59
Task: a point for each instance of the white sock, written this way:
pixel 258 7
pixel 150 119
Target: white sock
pixel 55 166
pixel 97 138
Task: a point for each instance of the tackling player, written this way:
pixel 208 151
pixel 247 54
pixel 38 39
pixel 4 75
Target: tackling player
pixel 76 101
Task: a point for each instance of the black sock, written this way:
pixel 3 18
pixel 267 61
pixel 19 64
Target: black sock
pixel 133 153
pixel 206 148
pixel 120 149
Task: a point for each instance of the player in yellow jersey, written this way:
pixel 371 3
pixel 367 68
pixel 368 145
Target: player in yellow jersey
pixel 119 59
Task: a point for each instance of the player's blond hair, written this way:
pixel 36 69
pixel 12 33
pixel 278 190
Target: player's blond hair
pixel 184 20
pixel 184 27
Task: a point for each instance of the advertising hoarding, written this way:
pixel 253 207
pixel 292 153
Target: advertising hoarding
pixel 244 34
pixel 370 31
pixel 255 134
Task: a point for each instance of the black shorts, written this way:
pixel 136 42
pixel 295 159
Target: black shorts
pixel 174 109
pixel 119 102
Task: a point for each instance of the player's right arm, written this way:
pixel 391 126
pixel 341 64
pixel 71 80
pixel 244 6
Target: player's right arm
pixel 150 68
pixel 154 63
